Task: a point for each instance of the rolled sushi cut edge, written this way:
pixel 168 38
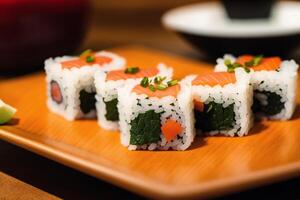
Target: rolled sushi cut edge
pixel 6 112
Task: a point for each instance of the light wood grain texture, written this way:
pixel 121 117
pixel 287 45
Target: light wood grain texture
pixel 212 166
pixel 12 188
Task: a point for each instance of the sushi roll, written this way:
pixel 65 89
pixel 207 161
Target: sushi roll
pixel 156 115
pixel 222 102
pixel 107 84
pixel 274 83
pixel 70 82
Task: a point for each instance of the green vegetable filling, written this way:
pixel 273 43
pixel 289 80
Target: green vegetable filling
pixel 112 113
pixel 215 117
pixel 87 101
pixel 274 105
pixel 145 128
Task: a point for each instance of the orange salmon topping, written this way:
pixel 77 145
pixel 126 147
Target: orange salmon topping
pixel 215 78
pixel 79 62
pixel 269 64
pixel 171 129
pixel 198 105
pixel 243 59
pixel 120 74
pixel 170 91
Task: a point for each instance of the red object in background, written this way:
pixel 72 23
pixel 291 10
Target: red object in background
pixel 33 30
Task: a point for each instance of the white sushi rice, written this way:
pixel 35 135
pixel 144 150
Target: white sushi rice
pixel 107 91
pixel 73 80
pixel 239 93
pixel 179 109
pixel 283 82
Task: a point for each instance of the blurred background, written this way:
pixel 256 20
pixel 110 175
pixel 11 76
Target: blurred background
pixel 35 30
pixel 134 22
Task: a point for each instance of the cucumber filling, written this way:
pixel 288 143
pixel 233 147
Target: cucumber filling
pixel 87 101
pixel 266 102
pixel 112 113
pixel 215 117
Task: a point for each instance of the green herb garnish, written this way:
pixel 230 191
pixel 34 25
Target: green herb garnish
pixel 86 53
pixel 159 79
pixel 247 69
pixel 145 128
pixel 227 62
pixel 172 82
pixel 144 82
pixel 152 88
pixel 161 86
pixel 231 66
pixel 90 59
pixel 254 62
pixel 132 70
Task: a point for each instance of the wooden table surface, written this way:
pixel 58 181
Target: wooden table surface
pixel 67 183
pixel 11 186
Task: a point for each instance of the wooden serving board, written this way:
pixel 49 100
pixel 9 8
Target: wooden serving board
pixel 212 166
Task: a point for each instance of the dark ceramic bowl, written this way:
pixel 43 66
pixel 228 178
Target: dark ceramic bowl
pixel 207 27
pixel 248 9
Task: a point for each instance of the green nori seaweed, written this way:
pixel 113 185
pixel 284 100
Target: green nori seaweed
pixel 112 113
pixel 87 101
pixel 274 104
pixel 215 117
pixel 145 128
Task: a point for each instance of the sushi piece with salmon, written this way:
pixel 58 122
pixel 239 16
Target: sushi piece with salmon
pixel 70 82
pixel 274 83
pixel 222 102
pixel 156 115
pixel 107 84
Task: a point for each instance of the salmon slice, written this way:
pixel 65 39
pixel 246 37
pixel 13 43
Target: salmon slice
pixel 243 59
pixel 170 91
pixel 79 62
pixel 120 74
pixel 215 78
pixel 55 91
pixel 269 64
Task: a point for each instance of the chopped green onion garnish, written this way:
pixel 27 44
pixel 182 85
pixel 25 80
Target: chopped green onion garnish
pixel 247 69
pixel 161 86
pixel 236 65
pixel 145 82
pixel 172 82
pixel 232 67
pixel 159 79
pixel 86 52
pixel 90 59
pixel 152 88
pixel 227 62
pixel 257 60
pixel 132 70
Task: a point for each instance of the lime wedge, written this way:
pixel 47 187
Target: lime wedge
pixel 6 112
